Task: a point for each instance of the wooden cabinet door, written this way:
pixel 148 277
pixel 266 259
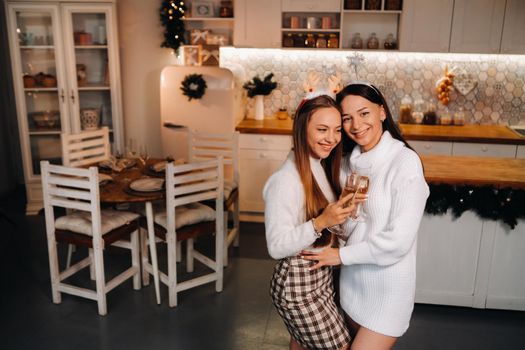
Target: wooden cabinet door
pixel 257 23
pixel 425 25
pixel 477 26
pixel 513 38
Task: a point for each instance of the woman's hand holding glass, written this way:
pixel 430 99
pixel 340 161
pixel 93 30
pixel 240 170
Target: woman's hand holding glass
pixel 338 212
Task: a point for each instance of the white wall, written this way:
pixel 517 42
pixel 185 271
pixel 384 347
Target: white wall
pixel 142 59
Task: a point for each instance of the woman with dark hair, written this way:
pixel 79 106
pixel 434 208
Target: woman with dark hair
pixel 300 203
pixel 378 272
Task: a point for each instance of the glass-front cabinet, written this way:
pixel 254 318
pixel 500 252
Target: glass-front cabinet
pixel 66 77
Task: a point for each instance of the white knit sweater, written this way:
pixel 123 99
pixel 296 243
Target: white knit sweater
pixel 378 276
pixel 287 233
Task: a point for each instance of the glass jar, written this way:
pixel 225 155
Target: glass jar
pixel 226 9
pixel 390 42
pixel 459 117
pixel 309 41
pixel 333 41
pixel 430 116
pixel 417 111
pixel 373 5
pixel 405 110
pixel 445 117
pixel 373 42
pixel 288 40
pixel 298 40
pixel 321 43
pixel 356 42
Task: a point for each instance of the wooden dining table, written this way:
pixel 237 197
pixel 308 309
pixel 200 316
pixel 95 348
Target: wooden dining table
pixel 118 191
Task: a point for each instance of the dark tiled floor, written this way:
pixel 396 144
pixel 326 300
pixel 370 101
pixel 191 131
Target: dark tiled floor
pixel 241 317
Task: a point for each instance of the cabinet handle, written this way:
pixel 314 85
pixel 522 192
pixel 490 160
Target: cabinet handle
pixel 263 155
pixel 484 149
pixel 427 146
pixel 62 95
pixel 72 96
pixel 263 139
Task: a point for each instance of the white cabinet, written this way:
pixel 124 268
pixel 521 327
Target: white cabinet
pixel 260 156
pixel 520 152
pixel 257 23
pixel 483 150
pixel 513 38
pixel 431 147
pixel 65 64
pixel 477 26
pixel 506 283
pixel 425 25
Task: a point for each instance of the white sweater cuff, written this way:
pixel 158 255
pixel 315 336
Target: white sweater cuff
pixel 356 254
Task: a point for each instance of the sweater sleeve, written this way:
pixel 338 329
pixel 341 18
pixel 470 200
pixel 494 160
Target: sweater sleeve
pixel 286 235
pixel 392 243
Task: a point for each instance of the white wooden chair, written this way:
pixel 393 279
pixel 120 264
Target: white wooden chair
pixel 186 218
pixel 204 146
pixel 86 147
pixel 78 189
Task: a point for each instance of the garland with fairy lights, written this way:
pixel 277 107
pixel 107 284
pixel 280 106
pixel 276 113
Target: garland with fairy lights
pixel 193 86
pixel 171 15
pixel 488 202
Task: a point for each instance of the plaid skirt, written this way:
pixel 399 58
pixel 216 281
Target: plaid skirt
pixel 305 301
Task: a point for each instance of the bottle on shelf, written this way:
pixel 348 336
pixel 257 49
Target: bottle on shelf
pixel 310 40
pixel 298 40
pixel 390 42
pixel 417 112
pixel 288 40
pixel 333 41
pixel 356 42
pixel 226 9
pixel 321 42
pixel 372 42
pixel 430 116
pixel 459 117
pixel 445 117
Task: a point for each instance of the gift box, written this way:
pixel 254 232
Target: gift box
pixel 191 55
pixel 217 39
pixel 210 55
pixel 199 36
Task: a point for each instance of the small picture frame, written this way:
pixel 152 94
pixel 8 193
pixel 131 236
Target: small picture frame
pixel 191 55
pixel 202 9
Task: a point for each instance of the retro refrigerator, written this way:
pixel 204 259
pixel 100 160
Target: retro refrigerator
pixel 218 111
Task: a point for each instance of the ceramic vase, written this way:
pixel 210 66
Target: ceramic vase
pixel 259 107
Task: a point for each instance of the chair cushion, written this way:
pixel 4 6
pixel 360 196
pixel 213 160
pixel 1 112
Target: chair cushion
pixel 187 215
pixel 229 186
pixel 80 222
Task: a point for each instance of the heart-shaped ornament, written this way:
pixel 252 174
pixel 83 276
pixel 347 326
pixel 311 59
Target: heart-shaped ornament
pixel 463 82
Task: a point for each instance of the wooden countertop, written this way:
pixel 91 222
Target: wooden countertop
pixel 498 172
pixel 465 133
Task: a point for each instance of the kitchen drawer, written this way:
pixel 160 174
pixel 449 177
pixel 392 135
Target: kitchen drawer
pixel 265 142
pixel 520 153
pixel 483 150
pixel 432 147
pixel 311 6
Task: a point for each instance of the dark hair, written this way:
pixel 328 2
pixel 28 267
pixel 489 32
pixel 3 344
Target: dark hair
pixel 315 201
pixel 372 94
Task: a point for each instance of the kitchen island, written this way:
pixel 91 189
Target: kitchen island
pixel 464 261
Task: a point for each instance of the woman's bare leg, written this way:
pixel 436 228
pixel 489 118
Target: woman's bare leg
pixel 295 345
pixel 370 340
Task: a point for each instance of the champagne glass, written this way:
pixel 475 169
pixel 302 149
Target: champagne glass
pixel 357 182
pixel 143 154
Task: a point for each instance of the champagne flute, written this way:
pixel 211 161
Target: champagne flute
pixel 143 154
pixel 357 182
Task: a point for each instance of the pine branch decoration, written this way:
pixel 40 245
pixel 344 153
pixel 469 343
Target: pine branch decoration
pixel 171 14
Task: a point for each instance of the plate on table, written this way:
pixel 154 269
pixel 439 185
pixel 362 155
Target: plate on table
pixel 148 184
pixel 104 179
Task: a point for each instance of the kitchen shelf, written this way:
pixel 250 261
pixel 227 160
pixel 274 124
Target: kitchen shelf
pixel 209 19
pixel 304 30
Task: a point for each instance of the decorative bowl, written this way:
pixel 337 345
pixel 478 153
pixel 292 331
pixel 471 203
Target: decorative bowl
pixel 46 119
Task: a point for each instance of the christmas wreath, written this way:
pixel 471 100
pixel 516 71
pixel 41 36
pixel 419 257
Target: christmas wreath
pixel 193 86
pixel 505 204
pixel 171 15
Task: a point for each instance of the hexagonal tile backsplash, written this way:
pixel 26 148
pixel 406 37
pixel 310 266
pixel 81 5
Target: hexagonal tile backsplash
pixel 497 98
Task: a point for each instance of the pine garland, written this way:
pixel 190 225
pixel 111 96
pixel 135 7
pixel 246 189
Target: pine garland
pixel 193 86
pixel 171 14
pixel 488 202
